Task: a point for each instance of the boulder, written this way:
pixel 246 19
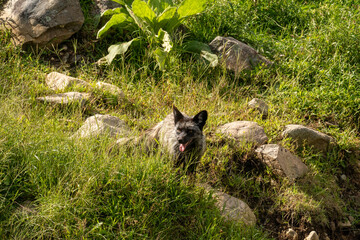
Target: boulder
pixel 236 55
pixel 259 105
pixel 291 234
pixel 66 98
pixel 99 125
pixel 42 22
pixel 232 208
pixel 109 88
pixel 303 135
pixel 281 161
pixel 59 81
pixel 312 236
pixel 244 131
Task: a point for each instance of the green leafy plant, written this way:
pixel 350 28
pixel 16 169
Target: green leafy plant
pixel 157 21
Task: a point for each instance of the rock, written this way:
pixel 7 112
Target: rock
pixel 103 5
pixel 343 177
pixel 232 208
pixel 244 131
pixel 304 135
pixel 312 236
pixel 112 89
pixel 326 237
pixel 281 161
pixel 59 81
pixel 259 105
pixel 42 22
pixel 98 125
pixel 66 98
pixel 236 55
pixel 291 234
pixel 345 224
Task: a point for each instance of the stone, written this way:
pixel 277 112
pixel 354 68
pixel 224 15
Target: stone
pixel 66 98
pixel 236 55
pixel 291 234
pixel 58 81
pixel 244 131
pixel 303 135
pixel 259 105
pixel 312 236
pixel 345 224
pixel 232 208
pixel 100 125
pixel 42 22
pixel 343 177
pixel 103 5
pixel 109 88
pixel 281 161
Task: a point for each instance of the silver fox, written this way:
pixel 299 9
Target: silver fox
pixel 182 137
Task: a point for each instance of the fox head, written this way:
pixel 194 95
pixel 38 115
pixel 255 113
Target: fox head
pixel 189 130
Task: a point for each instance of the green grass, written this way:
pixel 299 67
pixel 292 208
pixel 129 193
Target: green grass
pixel 54 187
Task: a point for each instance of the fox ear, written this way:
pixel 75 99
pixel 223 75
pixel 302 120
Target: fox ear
pixel 177 114
pixel 200 119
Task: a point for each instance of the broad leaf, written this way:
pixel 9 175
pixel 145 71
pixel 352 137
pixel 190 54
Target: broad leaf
pixel 141 24
pixel 210 57
pixel 119 48
pixel 128 2
pixel 196 46
pixel 116 19
pixel 143 11
pixel 191 7
pixel 110 12
pixel 168 19
pixel 160 5
pixel 161 57
pixel 204 50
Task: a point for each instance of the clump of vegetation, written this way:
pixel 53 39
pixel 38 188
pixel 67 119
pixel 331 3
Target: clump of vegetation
pixel 157 21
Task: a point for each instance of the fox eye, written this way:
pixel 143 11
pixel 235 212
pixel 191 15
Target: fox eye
pixel 190 131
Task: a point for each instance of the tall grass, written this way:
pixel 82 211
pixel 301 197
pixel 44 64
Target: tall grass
pixel 52 186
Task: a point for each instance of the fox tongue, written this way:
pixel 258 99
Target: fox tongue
pixel 182 147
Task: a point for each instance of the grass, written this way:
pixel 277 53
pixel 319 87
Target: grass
pixel 54 187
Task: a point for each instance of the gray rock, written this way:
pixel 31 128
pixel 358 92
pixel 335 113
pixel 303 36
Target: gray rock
pixel 66 98
pixel 232 208
pixel 42 22
pixel 59 81
pixel 291 234
pixel 245 131
pixel 259 105
pixel 303 135
pixel 112 89
pixel 312 236
pixel 281 161
pixel 343 177
pixel 100 125
pixel 103 5
pixel 236 55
